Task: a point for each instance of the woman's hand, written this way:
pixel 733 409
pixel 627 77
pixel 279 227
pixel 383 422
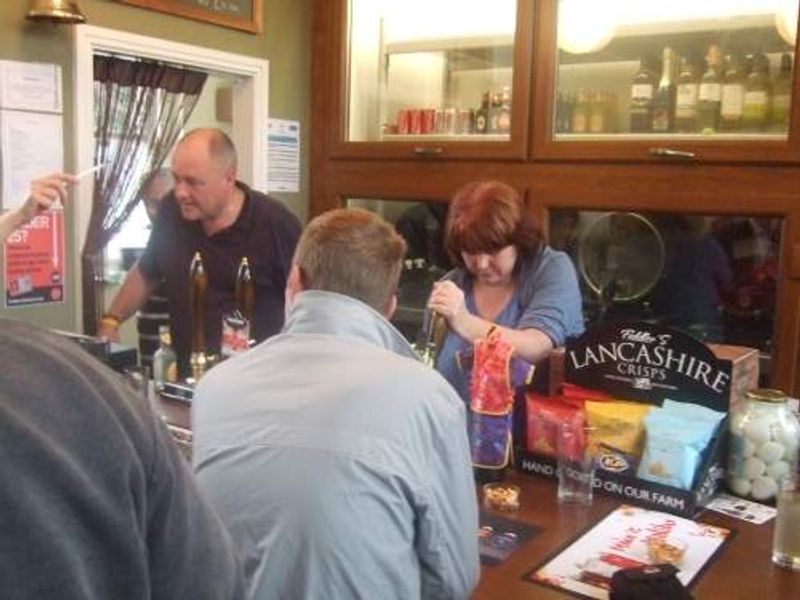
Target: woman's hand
pixel 46 193
pixel 447 299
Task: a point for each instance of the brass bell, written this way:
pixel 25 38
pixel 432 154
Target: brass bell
pixel 56 11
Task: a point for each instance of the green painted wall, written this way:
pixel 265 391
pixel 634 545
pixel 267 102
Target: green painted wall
pixel 285 42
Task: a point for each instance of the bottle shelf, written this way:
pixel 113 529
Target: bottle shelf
pixel 670 137
pixel 458 137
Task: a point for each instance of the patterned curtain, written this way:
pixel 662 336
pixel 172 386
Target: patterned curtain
pixel 140 108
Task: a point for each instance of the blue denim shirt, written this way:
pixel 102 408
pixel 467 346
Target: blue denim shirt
pixel 547 297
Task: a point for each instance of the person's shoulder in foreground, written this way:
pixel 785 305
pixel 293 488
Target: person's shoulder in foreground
pixel 338 461
pixel 96 500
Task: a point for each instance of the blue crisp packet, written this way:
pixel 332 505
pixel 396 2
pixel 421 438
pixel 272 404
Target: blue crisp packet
pixel 677 436
pixel 490 440
pixel 692 411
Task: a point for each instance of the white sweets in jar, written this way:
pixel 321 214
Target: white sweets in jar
pixel 764 440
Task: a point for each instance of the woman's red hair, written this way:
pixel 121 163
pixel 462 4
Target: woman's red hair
pixel 487 216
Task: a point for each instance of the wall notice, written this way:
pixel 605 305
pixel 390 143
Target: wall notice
pixel 34 261
pixel 283 172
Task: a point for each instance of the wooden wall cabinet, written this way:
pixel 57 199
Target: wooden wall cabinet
pixel 732 177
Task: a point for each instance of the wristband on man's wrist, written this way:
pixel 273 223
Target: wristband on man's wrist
pixel 110 320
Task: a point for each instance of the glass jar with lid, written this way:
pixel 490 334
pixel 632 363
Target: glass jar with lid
pixel 764 441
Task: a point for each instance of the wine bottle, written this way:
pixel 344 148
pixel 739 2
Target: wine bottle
pixel 731 106
pixel 782 95
pixel 757 92
pixel 642 91
pixel 664 98
pixel 710 93
pixel 686 97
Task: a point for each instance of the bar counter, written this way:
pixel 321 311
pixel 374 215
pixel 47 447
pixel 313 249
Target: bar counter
pixel 743 569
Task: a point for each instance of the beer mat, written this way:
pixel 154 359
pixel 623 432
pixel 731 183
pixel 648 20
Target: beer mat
pixel 499 537
pixel 739 508
pixel 627 537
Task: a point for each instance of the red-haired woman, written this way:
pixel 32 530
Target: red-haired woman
pixel 506 276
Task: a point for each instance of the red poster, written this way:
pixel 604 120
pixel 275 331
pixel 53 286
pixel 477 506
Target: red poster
pixel 34 264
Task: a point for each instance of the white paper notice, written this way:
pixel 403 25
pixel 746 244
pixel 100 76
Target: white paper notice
pixel 31 147
pixel 30 86
pixel 283 174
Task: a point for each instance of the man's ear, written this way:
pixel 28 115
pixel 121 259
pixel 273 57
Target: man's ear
pixel 294 283
pixel 391 307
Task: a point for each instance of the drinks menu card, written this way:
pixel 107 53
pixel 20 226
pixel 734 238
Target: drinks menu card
pixel 630 537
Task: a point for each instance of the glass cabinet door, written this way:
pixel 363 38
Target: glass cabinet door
pixel 429 77
pixel 680 78
pixel 712 276
pixel 422 226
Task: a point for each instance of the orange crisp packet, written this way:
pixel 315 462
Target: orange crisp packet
pixel 545 415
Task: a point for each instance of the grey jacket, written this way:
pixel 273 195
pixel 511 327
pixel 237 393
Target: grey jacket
pixel 339 462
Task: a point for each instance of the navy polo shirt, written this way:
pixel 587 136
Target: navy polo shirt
pixel 265 231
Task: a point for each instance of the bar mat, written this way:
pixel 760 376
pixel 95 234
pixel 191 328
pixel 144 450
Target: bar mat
pixel 630 537
pixel 499 537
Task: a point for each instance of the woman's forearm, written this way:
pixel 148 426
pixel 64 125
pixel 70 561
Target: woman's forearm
pixel 531 345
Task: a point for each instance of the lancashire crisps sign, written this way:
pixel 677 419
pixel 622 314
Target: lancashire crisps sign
pixel 646 362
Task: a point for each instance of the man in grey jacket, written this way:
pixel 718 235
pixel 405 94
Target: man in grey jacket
pixel 337 460
pixel 96 502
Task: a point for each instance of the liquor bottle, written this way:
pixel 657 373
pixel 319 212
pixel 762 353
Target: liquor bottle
pixel 198 284
pixel 710 93
pixel 504 112
pixel 757 92
pixel 731 106
pixel 482 114
pixel 642 92
pixel 165 361
pixel 494 112
pixel 597 112
pixel 245 291
pixel 664 98
pixel 561 112
pixel 686 98
pixel 580 112
pixel 782 95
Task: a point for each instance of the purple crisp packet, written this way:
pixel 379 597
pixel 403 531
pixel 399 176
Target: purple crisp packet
pixel 490 438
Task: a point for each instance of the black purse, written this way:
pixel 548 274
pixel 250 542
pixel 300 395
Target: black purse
pixel 651 582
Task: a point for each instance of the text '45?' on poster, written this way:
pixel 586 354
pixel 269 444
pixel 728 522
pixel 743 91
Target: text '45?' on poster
pixel 34 261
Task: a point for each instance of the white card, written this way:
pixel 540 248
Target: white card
pixel 739 508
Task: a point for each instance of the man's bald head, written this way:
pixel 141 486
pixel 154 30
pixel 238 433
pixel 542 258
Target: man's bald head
pixel 217 144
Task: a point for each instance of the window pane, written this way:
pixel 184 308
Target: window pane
pixel 421 70
pixel 712 276
pixel 718 68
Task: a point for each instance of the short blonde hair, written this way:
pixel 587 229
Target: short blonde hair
pixel 353 252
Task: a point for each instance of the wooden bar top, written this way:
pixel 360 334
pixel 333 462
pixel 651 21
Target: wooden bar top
pixel 742 570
